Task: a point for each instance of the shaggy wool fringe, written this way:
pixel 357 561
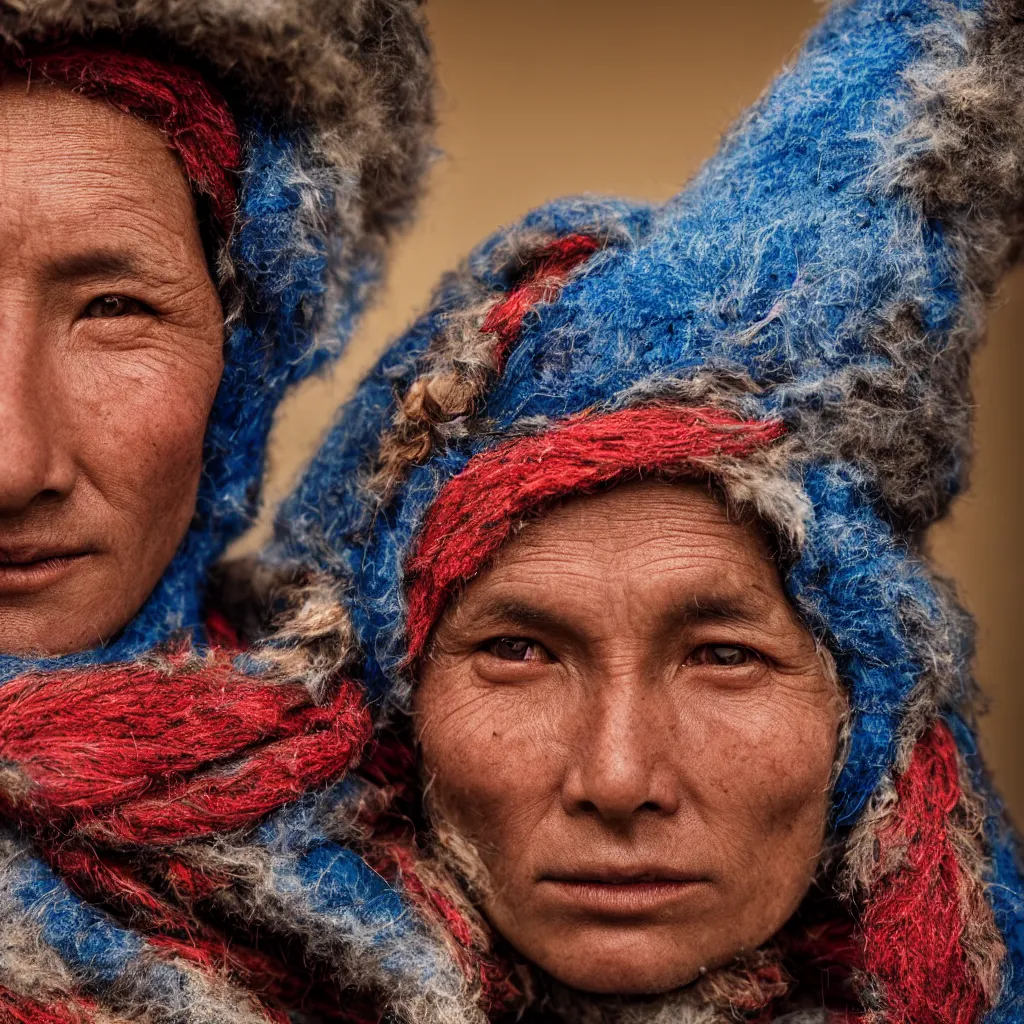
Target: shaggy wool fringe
pixel 359 955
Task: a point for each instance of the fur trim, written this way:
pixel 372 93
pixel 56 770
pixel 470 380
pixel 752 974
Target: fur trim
pixel 296 883
pixel 800 283
pixel 885 851
pixel 470 351
pixel 295 622
pixel 357 73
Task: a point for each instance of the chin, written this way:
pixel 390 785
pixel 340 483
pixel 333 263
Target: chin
pixel 55 626
pixel 621 962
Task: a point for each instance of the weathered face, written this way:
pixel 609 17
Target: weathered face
pixel 627 719
pixel 110 356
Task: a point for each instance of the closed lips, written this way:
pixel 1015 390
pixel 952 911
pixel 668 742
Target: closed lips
pixel 33 556
pixel 24 570
pixel 618 894
pixel 613 875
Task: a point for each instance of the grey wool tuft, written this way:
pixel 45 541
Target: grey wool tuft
pixel 357 72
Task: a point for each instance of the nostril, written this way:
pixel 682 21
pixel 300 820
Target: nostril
pixel 618 808
pixel 35 467
pixel 49 496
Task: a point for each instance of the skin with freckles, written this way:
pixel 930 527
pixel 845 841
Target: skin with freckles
pixel 110 357
pixel 626 718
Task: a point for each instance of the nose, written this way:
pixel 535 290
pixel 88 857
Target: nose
pixel 33 463
pixel 622 764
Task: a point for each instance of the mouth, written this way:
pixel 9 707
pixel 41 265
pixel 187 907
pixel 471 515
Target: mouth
pixel 618 893
pixel 28 570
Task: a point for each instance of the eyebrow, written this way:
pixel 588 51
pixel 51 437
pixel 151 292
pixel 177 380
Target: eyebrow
pixel 522 615
pixel 717 609
pixel 94 263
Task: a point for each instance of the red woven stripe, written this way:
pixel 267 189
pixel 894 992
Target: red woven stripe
pixel 273 982
pixel 15 1009
pixel 330 739
pixel 138 755
pixel 194 119
pixel 499 993
pixel 913 922
pixel 476 511
pixel 394 853
pixel 550 269
pixel 115 884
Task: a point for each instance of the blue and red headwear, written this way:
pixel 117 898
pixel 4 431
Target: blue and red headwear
pixel 797 324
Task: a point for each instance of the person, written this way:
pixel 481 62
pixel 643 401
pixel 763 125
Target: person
pixel 166 174
pixel 675 718
pixel 198 200
pixel 597 670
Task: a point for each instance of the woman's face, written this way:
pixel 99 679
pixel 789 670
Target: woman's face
pixel 628 721
pixel 110 357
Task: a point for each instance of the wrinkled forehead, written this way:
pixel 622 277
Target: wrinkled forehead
pixel 484 505
pixel 65 155
pixel 679 510
pixel 160 109
pixel 642 529
pixel 633 557
pixel 91 195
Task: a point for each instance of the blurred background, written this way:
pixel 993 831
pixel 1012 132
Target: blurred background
pixel 548 97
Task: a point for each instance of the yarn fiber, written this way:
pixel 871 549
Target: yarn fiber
pixel 820 284
pixel 795 326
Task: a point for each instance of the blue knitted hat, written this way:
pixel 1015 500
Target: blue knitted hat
pixel 333 104
pixel 806 310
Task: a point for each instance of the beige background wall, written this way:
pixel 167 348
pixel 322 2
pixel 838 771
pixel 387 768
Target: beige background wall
pixel 547 97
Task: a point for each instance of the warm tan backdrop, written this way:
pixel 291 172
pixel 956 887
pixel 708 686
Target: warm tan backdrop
pixel 546 97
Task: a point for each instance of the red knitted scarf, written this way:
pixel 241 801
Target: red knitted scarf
pixel 109 767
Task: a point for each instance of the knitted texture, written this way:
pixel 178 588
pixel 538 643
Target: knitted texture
pixel 926 973
pixel 795 326
pixel 148 732
pixel 820 285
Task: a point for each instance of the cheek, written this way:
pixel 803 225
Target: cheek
pixel 149 408
pixel 493 757
pixel 760 769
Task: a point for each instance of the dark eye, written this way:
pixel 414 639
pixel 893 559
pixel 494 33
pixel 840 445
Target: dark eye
pixel 725 655
pixel 109 306
pixel 515 648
